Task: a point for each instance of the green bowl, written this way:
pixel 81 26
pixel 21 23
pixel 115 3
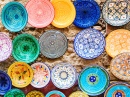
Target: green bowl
pixel 25 48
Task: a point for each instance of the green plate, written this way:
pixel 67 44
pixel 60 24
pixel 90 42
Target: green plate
pixel 25 48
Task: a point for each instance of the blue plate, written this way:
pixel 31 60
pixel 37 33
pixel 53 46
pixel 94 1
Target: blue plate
pixel 93 80
pixel 89 43
pixel 87 13
pixel 55 92
pixel 118 90
pixel 14 16
pixel 5 83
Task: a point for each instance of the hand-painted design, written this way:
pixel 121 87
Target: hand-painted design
pixel 63 76
pixel 55 93
pixel 41 75
pixel 53 44
pixel 118 41
pixel 78 94
pixel 35 93
pixel 116 12
pixel 92 78
pixel 119 93
pixel 89 43
pixel 5 47
pixel 120 66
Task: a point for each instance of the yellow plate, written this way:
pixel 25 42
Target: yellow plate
pixel 118 41
pixel 78 94
pixel 34 93
pixel 21 74
pixel 64 13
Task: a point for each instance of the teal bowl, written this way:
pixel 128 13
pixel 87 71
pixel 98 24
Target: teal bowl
pixel 14 16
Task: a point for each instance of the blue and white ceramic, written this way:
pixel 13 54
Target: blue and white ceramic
pixel 87 13
pixel 55 92
pixel 5 83
pixel 93 80
pixel 118 90
pixel 14 16
pixel 63 75
pixel 89 43
pixel 116 12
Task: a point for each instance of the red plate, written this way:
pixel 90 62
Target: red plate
pixel 40 13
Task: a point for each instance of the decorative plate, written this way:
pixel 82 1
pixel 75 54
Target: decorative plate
pixel 87 13
pixel 41 75
pixel 25 48
pixel 21 74
pixel 64 13
pixel 118 41
pixel 14 16
pixel 117 90
pixel 5 46
pixel 53 44
pixel 14 93
pixel 55 93
pixel 5 83
pixel 63 76
pixel 78 94
pixel 40 13
pixel 35 93
pixel 93 80
pixel 89 43
pixel 116 12
pixel 119 66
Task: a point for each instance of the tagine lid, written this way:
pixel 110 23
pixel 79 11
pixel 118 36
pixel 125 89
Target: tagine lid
pixel 26 48
pixel 87 13
pixel 5 46
pixel 35 93
pixel 53 44
pixel 21 74
pixel 89 43
pixel 118 41
pixel 64 13
pixel 41 75
pixel 14 16
pixel 40 13
pixel 63 75
pixel 78 94
pixel 55 93
pixel 5 83
pixel 116 12
pixel 96 78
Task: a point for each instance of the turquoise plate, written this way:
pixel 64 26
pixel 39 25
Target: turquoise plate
pixel 14 16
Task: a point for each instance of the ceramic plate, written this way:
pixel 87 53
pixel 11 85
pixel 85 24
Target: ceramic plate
pixel 5 83
pixel 87 13
pixel 35 93
pixel 53 44
pixel 63 75
pixel 5 46
pixel 21 74
pixel 41 75
pixel 64 13
pixel 89 43
pixel 93 80
pixel 25 48
pixel 78 94
pixel 14 16
pixel 118 41
pixel 116 12
pixel 40 13
pixel 55 93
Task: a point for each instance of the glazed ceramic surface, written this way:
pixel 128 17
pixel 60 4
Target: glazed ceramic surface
pixel 55 93
pixel 35 93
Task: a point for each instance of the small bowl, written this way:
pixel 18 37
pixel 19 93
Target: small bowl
pixel 14 16
pixel 5 83
pixel 35 93
pixel 117 90
pixel 55 92
pixel 53 44
pixel 78 94
pixel 41 75
pixel 21 74
pixel 5 47
pixel 63 75
pixel 25 48
pixel 93 80
pixel 87 13
pixel 14 93
pixel 89 43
